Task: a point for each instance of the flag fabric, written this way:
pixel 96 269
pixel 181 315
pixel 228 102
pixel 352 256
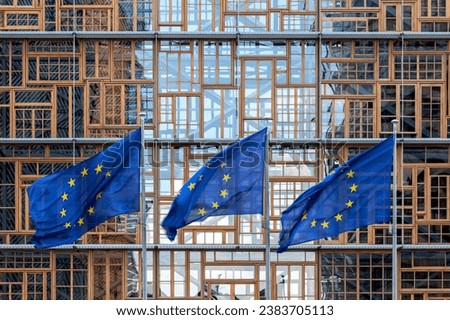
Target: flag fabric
pixel 66 204
pixel 356 195
pixel 230 183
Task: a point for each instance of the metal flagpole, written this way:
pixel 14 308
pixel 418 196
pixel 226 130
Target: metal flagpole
pixel 267 214
pixel 394 213
pixel 143 211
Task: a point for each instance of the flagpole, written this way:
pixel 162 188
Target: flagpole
pixel 394 213
pixel 143 211
pixel 267 214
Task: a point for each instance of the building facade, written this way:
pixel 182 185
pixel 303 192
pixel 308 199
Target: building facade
pixel 327 76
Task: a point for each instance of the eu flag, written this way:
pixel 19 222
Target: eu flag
pixel 356 195
pixel 230 183
pixel 68 203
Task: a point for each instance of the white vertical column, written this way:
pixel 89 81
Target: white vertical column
pixel 143 211
pixel 394 213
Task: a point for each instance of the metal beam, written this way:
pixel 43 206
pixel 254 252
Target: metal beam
pixel 136 35
pixel 216 142
pixel 232 247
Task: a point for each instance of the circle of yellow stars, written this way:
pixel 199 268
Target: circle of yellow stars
pixel 338 217
pixel 222 194
pixel 72 183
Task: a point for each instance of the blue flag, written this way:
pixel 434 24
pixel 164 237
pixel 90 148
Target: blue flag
pixel 230 183
pixel 356 195
pixel 68 203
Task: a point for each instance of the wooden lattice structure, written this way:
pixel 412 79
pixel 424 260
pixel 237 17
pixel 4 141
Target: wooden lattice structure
pixel 331 75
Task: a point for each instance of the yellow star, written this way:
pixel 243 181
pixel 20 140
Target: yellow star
pixel 80 221
pixel 201 211
pixel 223 165
pixel 338 217
pixel 226 177
pixel 67 225
pixel 349 203
pixel 223 193
pixel 63 212
pixel 350 174
pixel 71 182
pixel 108 174
pixel 324 224
pixel 304 215
pixel 91 210
pixel 313 223
pixel 84 172
pixel 99 195
pixel 191 186
pixel 98 169
pixel 200 178
pixel 215 205
pixel 353 188
pixel 65 196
